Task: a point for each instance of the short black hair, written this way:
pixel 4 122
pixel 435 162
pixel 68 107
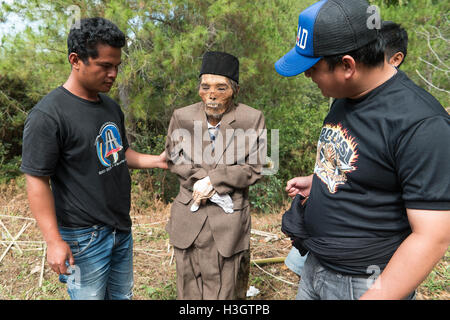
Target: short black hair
pixel 371 55
pixel 395 38
pixel 86 34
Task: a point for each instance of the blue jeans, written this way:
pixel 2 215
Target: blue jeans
pixel 103 263
pixel 319 283
pixel 295 261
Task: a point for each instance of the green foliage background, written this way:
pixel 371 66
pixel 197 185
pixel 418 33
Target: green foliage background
pixel 166 40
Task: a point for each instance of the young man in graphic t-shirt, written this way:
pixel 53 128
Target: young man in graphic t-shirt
pixel 379 199
pixel 396 48
pixel 75 139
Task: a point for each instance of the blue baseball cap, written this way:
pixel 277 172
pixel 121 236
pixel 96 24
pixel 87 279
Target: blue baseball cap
pixel 328 27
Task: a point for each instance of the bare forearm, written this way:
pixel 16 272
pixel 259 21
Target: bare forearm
pixel 408 267
pixel 144 161
pixel 42 207
pixel 136 160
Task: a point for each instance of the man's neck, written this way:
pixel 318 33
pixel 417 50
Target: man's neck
pixel 370 79
pixel 74 87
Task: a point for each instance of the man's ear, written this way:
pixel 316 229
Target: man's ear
pixel 349 66
pixel 397 59
pixel 74 60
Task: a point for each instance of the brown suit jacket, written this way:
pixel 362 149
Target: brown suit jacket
pixel 232 167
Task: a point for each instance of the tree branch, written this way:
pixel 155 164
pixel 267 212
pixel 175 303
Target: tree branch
pixel 430 84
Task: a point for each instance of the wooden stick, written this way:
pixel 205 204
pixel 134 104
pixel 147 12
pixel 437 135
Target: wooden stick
pixel 16 217
pixel 149 254
pixel 41 277
pixel 171 257
pixel 14 239
pixel 10 236
pixel 154 250
pixel 23 241
pixel 267 235
pixel 273 276
pixel 149 224
pixel 269 260
pixel 33 249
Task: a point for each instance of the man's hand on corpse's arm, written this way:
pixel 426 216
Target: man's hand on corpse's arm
pixel 163 161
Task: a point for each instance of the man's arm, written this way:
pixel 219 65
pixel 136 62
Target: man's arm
pixel 42 206
pixel 136 160
pixel 416 256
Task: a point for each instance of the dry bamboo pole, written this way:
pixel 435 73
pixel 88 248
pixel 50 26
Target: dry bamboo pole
pixel 268 260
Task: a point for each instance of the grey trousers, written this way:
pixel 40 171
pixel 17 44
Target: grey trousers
pixel 319 283
pixel 203 274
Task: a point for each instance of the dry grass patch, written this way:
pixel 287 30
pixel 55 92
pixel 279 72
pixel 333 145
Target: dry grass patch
pixel 154 265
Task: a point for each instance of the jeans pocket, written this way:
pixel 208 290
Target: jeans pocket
pixel 359 285
pixel 80 243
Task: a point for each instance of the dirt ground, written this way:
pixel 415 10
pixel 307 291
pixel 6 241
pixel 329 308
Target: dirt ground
pixel 25 275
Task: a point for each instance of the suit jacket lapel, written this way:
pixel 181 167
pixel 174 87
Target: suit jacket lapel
pixel 201 133
pixel 199 128
pixel 227 132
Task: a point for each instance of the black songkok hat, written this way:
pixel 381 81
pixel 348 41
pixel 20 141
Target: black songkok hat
pixel 220 63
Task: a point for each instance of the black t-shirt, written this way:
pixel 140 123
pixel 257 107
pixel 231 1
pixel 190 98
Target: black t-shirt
pixel 377 156
pixel 81 145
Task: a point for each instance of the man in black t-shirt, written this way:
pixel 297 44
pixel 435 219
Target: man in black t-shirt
pixel 396 49
pixel 378 206
pixel 75 139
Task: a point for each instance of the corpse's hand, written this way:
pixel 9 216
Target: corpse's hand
pixel 202 190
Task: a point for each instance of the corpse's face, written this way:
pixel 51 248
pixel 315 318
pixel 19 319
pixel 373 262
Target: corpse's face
pixel 216 94
pixel 99 74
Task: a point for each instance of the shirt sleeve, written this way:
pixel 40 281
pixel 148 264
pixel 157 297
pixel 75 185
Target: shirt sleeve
pixel 125 143
pixel 41 145
pixel 423 164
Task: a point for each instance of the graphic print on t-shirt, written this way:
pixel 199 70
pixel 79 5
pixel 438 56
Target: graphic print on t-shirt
pixel 336 156
pixel 108 144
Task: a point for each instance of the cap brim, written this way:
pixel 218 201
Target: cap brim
pixel 292 63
